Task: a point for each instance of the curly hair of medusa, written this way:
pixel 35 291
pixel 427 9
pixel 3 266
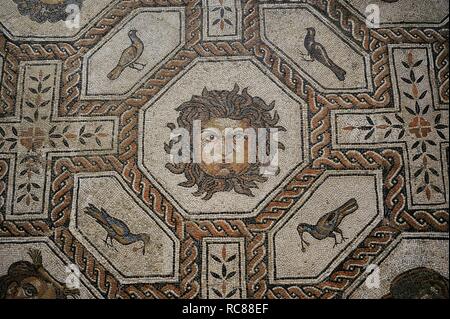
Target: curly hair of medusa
pixel 223 104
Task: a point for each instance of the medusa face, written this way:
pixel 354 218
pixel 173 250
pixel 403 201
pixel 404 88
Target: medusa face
pixel 216 133
pixel 227 165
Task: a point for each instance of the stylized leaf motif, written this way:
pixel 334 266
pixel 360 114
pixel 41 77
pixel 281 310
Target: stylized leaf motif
pixel 224 271
pixel 215 275
pixel 217 292
pixel 422 96
pixel 231 293
pixel 369 135
pixel 418 63
pixel 230 275
pixel 216 258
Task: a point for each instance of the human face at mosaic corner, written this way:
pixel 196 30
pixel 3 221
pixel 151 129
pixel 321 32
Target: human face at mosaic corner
pixel 211 137
pixel 31 288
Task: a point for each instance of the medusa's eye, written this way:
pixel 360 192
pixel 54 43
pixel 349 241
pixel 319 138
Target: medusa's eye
pixel 209 136
pixel 29 290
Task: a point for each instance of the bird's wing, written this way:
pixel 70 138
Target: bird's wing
pixel 320 54
pixel 119 230
pixel 114 224
pixel 118 226
pixel 129 55
pixel 327 220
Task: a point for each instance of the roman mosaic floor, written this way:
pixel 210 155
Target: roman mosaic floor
pixel 92 204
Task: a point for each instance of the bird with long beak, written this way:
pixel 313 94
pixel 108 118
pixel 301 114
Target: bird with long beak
pixel 118 230
pixel 328 224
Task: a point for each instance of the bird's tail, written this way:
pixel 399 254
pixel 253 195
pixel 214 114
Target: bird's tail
pixel 349 207
pixel 338 71
pixel 115 73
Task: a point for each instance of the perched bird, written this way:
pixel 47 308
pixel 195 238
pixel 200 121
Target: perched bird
pixel 316 51
pixel 328 224
pixel 129 56
pixel 116 229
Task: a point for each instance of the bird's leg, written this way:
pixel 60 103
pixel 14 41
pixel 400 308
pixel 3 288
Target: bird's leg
pixel 339 231
pixel 332 235
pixel 135 64
pixel 111 243
pixel 306 57
pixel 140 64
pixel 106 240
pixel 302 241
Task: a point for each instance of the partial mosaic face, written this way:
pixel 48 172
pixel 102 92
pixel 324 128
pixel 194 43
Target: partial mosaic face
pixel 31 280
pixel 46 10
